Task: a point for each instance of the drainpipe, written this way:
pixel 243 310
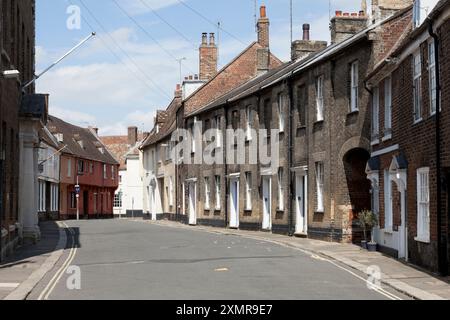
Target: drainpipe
pixel 177 203
pixel 442 237
pixel 225 166
pixel 290 157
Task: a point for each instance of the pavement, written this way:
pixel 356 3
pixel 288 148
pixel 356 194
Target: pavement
pixel 147 260
pixel 21 272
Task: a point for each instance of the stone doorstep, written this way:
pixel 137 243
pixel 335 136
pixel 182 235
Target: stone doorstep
pixel 387 279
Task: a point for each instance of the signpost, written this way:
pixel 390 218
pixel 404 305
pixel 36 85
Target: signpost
pixel 77 191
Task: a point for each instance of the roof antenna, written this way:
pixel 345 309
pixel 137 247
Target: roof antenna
pixel 256 16
pixel 219 26
pixel 291 12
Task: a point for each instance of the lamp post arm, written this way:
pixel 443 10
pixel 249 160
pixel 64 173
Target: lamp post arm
pixel 54 154
pixel 29 83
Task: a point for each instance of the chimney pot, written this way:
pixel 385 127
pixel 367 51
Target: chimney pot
pixel 190 77
pixel 262 12
pixel 306 28
pixel 263 28
pixel 346 14
pixel 338 13
pixel 204 38
pixel 196 77
pixel 354 14
pixel 212 39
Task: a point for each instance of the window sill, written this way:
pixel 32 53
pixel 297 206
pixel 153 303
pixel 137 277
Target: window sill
pixel 375 142
pixel 352 113
pixel 417 121
pixel 422 239
pixel 388 230
pixel 317 122
pixel 387 138
pixel 248 210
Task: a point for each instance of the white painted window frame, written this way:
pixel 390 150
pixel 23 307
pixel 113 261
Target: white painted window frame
pixel 417 86
pixel 423 205
pixel 319 98
pixel 248 191
pixel 320 168
pixel 354 90
pixel 207 194
pixel 432 77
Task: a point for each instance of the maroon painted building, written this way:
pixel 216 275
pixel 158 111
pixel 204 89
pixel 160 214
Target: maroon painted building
pixel 87 162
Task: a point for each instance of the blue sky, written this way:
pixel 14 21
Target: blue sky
pixel 112 88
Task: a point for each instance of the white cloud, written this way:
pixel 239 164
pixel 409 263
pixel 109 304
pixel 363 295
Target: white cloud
pixel 73 117
pixel 142 120
pixel 136 7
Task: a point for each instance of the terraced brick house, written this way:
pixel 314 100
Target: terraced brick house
pixel 409 165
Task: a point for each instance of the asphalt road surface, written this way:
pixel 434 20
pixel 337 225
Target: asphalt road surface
pixel 126 260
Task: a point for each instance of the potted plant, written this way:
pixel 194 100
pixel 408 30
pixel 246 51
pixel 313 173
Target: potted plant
pixel 367 221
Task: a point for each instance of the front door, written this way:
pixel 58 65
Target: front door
pixel 86 204
pixel 234 203
pixel 267 204
pixel 300 226
pixel 192 204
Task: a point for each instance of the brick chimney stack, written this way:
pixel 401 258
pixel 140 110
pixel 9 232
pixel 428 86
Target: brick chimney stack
pixel 303 48
pixel 178 91
pixel 263 28
pixel 132 135
pixel 208 57
pixel 345 25
pixel 382 9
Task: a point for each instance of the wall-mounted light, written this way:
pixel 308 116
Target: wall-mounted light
pixel 11 74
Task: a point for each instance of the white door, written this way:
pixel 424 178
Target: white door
pixel 267 204
pixel 153 203
pixel 300 226
pixel 234 203
pixel 402 229
pixel 192 204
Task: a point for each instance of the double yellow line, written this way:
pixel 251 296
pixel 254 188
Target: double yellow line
pixel 54 281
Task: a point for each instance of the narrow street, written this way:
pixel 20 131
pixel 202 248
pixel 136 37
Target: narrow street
pixel 122 259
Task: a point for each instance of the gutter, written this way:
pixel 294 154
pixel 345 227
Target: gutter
pixel 442 237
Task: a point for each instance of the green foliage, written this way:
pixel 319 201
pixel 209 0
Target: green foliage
pixel 367 220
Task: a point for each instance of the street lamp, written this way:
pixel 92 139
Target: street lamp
pixel 11 74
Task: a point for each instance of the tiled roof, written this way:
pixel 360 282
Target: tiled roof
pixel 71 133
pixel 119 147
pixel 168 127
pixel 284 71
pixel 237 72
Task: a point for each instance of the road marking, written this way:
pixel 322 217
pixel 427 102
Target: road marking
pixel 222 270
pixel 11 285
pixel 53 282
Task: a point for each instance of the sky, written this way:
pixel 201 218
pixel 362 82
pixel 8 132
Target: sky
pixel 127 72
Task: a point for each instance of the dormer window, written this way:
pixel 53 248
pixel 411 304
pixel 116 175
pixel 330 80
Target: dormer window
pixel 81 144
pixel 59 137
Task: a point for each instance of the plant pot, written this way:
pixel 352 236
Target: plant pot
pixel 364 244
pixel 372 246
